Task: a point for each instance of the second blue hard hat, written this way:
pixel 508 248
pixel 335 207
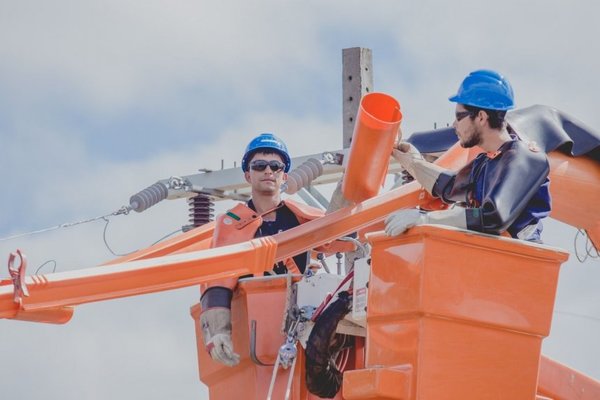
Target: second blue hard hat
pixel 485 89
pixel 266 141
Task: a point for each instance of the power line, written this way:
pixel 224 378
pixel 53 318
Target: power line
pixel 133 251
pixel 572 314
pixel 121 211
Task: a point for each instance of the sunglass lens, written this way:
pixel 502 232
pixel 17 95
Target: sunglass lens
pixel 275 165
pixel 261 165
pixel 258 165
pixel 462 114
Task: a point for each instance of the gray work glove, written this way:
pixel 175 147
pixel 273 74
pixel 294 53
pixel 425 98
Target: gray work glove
pixel 216 331
pixel 400 221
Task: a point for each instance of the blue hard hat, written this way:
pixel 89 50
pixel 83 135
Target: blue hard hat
pixel 266 141
pixel 485 89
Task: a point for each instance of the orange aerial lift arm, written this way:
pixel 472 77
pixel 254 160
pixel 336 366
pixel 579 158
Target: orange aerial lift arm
pixel 137 277
pixel 150 271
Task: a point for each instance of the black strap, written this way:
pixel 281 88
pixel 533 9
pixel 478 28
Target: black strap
pixel 216 296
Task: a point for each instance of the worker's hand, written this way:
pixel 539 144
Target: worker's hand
pixel 398 222
pixel 406 154
pixel 216 331
pixel 412 161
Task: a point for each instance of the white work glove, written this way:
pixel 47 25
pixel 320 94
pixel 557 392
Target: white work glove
pixel 412 160
pixel 216 332
pixel 398 222
pixel 406 154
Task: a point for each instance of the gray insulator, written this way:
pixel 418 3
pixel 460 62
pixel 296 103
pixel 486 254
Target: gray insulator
pixel 291 186
pixel 315 166
pixel 148 197
pixel 303 175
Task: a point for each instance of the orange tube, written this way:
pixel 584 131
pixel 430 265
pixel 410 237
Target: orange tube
pixel 377 123
pixel 575 190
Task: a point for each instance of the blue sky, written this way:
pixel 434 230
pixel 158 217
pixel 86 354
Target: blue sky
pixel 100 99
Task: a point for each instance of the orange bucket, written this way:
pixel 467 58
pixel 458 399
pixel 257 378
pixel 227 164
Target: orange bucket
pixel 377 123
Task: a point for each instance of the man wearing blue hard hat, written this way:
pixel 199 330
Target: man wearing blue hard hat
pixel 504 190
pixel 265 165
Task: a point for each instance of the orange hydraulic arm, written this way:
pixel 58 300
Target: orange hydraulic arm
pixel 575 189
pixel 137 277
pixel 152 270
pixel 195 239
pixel 560 382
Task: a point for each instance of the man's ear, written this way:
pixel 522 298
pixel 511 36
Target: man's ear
pixel 247 176
pixel 483 116
pixel 285 177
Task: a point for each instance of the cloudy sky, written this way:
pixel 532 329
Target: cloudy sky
pixel 99 99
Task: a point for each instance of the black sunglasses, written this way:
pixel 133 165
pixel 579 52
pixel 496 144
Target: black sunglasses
pixel 261 165
pixel 461 114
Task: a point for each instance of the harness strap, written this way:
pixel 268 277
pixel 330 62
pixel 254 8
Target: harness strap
pixel 242 222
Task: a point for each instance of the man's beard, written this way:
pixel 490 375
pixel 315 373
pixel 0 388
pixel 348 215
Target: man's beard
pixel 472 141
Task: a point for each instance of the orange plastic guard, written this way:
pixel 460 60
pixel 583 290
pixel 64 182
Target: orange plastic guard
pixel 377 123
pixel 455 314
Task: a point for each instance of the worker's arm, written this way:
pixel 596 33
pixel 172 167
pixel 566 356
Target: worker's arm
pixel 424 172
pixel 510 183
pixel 215 321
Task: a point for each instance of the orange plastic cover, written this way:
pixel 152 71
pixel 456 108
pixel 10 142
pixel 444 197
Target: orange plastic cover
pixel 377 123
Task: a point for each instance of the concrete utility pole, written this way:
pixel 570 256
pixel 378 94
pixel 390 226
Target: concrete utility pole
pixel 357 80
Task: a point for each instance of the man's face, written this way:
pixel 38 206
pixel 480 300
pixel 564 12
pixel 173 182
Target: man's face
pixel 265 182
pixel 468 132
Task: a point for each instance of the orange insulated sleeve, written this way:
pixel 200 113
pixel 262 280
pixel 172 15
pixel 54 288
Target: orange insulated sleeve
pixel 377 123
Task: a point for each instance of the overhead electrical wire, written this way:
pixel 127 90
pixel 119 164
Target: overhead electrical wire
pixel 122 211
pixel 583 316
pixel 133 251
